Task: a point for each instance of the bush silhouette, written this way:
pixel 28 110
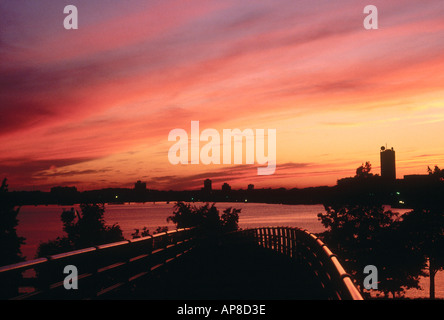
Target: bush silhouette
pixel 206 217
pixel 82 231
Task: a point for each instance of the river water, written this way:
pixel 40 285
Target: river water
pixel 42 223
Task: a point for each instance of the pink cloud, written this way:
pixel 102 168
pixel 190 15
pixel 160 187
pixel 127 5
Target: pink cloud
pixel 126 79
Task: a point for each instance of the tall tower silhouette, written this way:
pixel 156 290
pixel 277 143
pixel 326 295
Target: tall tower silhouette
pixel 388 164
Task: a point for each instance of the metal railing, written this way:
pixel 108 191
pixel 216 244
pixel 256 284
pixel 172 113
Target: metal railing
pixel 307 248
pixel 101 269
pixel 105 268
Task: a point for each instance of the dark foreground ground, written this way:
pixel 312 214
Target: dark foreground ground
pixel 229 272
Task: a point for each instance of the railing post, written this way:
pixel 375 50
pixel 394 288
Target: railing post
pixel 165 247
pixel 281 240
pixel 295 243
pixel 284 241
pixel 290 242
pixel 288 231
pixel 45 274
pixel 257 236
pixel 264 237
pixel 286 244
pixel 273 239
pixel 261 239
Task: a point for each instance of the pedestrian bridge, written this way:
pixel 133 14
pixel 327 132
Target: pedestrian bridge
pixel 270 263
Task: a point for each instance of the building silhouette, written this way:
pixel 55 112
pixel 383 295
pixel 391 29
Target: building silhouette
pixel 140 186
pixel 207 185
pixel 388 164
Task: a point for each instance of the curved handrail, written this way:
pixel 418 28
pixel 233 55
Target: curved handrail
pixel 161 248
pixel 351 290
pixel 286 240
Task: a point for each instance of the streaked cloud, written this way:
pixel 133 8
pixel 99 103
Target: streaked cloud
pixel 137 69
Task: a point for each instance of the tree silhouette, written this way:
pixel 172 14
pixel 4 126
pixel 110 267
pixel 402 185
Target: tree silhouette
pixel 10 242
pixel 206 217
pixel 82 231
pixel 436 173
pixel 184 216
pixel 230 219
pixel 423 230
pixel 364 234
pixel 399 265
pixel 363 171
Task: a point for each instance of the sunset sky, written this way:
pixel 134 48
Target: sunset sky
pixel 93 107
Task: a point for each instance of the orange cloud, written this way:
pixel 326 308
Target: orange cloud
pixel 111 92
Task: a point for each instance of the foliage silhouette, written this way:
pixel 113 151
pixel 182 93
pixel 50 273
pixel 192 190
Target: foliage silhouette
pixel 364 234
pixel 146 232
pixel 82 231
pixel 206 217
pixel 423 231
pixel 363 171
pixel 436 173
pixel 230 219
pixel 10 242
pixel 402 247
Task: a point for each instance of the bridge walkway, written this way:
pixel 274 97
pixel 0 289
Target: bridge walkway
pixel 271 263
pixel 229 272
